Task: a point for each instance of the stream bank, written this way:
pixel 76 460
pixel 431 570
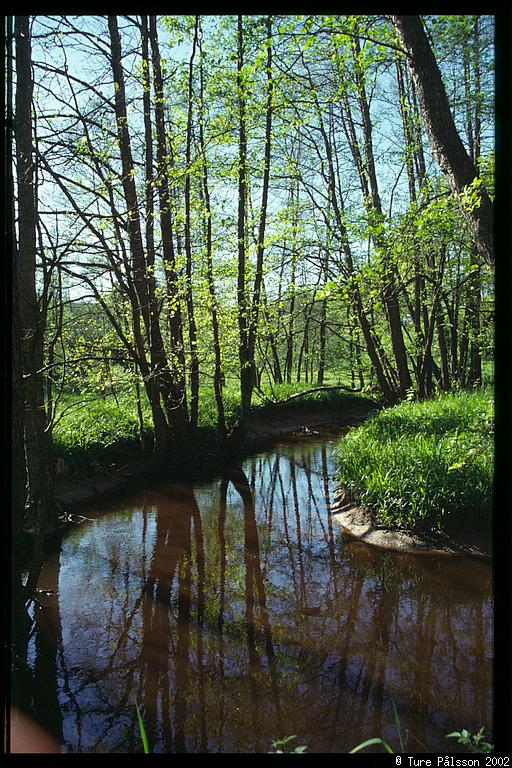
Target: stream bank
pixel 234 611
pixel 359 522
pixel 278 421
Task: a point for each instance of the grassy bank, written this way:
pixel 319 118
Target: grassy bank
pixel 424 466
pixel 94 430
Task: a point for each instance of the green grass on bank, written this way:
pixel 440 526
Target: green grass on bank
pixel 97 429
pixel 426 465
pixel 91 428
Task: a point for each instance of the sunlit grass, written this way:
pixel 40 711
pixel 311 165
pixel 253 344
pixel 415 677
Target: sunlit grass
pixel 92 425
pixel 424 465
pixel 89 425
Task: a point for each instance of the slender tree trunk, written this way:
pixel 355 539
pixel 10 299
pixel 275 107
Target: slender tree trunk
pixel 192 328
pixel 323 327
pixel 291 308
pixel 175 399
pixel 444 139
pixel 474 307
pixel 159 422
pixel 390 292
pixel 304 349
pixel 246 364
pixel 258 278
pixel 20 622
pixel 162 380
pixel 218 374
pixel 406 126
pixel 373 346
pixel 443 349
pixel 473 110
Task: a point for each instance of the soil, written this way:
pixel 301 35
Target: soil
pixel 304 422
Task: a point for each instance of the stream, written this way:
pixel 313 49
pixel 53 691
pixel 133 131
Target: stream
pixel 235 613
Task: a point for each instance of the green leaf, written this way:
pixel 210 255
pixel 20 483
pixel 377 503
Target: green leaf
pixel 369 743
pixel 145 743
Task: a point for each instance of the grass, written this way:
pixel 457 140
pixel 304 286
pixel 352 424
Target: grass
pixel 96 429
pixel 472 742
pixel 425 465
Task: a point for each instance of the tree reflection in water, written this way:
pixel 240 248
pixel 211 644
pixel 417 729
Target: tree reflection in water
pixel 235 614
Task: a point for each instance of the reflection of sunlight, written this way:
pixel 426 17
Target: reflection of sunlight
pixel 235 610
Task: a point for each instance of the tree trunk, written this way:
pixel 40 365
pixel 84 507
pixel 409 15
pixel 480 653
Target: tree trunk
pixel 157 382
pixel 258 278
pixel 192 328
pixel 443 349
pixel 20 622
pixel 373 207
pixel 246 364
pixel 373 346
pixel 473 112
pixel 218 374
pixel 407 130
pixel 444 139
pixel 159 423
pixel 323 326
pixel 288 366
pixel 37 442
pixel 175 398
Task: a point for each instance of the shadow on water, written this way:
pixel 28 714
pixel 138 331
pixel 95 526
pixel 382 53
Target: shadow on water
pixel 235 613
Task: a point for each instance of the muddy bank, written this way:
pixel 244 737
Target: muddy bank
pixel 279 421
pixel 305 422
pixel 359 522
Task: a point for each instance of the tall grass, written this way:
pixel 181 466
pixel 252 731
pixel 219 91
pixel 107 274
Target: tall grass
pixel 426 465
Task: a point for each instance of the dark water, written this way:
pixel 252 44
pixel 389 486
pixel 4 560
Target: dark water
pixel 235 614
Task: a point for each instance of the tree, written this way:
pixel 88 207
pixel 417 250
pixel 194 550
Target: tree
pixel 19 617
pixel 444 139
pixel 192 326
pixel 32 322
pixel 163 380
pixel 218 376
pixel 246 363
pixel 252 199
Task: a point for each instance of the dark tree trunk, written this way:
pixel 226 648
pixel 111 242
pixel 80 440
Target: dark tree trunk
pixel 373 346
pixel 372 201
pixel 323 326
pixel 288 366
pixel 162 378
pixel 163 154
pixel 20 622
pixel 444 139
pixel 258 278
pixel 152 389
pixel 443 349
pixel 37 442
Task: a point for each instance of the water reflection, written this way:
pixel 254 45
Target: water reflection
pixel 234 613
